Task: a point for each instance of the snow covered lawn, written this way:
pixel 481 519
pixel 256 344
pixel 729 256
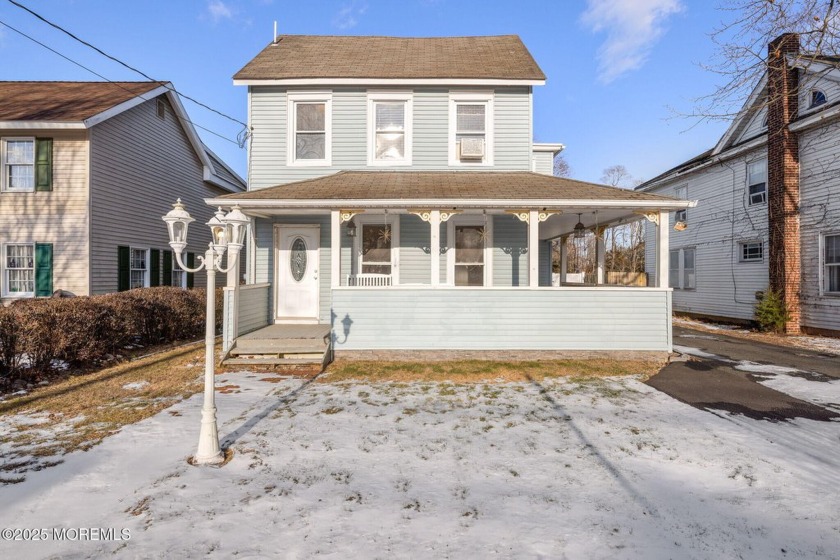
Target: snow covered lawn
pixel 598 468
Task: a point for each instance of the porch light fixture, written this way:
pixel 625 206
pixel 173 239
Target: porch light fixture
pixel 580 230
pixel 228 231
pixel 351 229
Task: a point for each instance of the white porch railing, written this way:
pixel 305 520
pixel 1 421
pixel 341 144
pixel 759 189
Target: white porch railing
pixel 368 280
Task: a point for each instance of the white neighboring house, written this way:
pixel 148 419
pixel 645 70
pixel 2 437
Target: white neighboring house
pixel 769 201
pixel 88 169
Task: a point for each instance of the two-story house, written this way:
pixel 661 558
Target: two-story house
pixel 769 201
pixel 88 168
pixel 400 203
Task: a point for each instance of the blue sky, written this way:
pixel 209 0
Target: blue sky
pixel 617 69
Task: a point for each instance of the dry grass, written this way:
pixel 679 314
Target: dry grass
pixel 98 404
pixel 481 371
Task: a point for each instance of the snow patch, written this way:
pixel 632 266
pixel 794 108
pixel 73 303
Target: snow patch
pixel 136 385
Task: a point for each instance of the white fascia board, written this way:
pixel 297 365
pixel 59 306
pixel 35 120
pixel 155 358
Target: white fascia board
pixel 125 106
pixel 449 203
pixel 41 125
pixel 729 154
pixel 555 148
pixel 742 114
pixel 388 82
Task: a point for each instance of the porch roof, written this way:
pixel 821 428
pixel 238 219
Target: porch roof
pixel 445 189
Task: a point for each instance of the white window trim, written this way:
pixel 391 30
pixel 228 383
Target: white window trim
pixel 681 267
pixel 742 244
pixel 477 97
pixel 375 97
pixel 823 265
pixel 681 212
pixel 394 221
pixel 175 268
pixel 147 275
pixel 292 98
pixel 3 186
pixel 747 181
pixel 469 220
pixel 4 276
pixel 810 99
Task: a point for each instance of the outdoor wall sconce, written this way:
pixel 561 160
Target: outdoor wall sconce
pixel 351 228
pixel 580 230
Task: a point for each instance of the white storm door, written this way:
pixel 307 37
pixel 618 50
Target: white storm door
pixel 297 273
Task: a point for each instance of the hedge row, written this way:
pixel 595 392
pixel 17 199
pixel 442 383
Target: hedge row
pixel 83 331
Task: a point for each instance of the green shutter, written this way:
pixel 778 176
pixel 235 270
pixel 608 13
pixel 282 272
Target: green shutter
pixel 43 269
pixel 154 267
pixel 167 268
pixel 43 164
pixel 190 275
pixel 123 268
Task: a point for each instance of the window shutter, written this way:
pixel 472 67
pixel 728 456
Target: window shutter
pixel 43 164
pixel 167 268
pixel 123 268
pixel 154 267
pixel 43 269
pixel 190 275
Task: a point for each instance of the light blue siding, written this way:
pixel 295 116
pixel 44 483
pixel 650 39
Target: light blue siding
pixel 511 124
pixel 415 247
pixel 253 307
pixel 515 318
pixel 510 251
pixel 543 162
pixel 545 263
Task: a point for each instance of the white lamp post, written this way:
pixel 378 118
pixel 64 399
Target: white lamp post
pixel 228 233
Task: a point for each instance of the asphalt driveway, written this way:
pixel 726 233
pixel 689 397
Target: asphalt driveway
pixel 720 372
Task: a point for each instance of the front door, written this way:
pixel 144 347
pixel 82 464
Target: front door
pixel 297 273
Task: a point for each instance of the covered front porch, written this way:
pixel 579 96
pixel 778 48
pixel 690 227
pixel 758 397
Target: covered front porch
pixel 457 274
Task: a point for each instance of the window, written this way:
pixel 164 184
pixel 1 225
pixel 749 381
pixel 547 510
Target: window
pixel 471 129
pixel 681 193
pixel 377 241
pixel 831 263
pixel 688 269
pixel 179 277
pixel 757 182
pixel 161 108
pixel 817 98
pixel 674 268
pixel 19 277
pixel 139 268
pixel 469 255
pixel 310 129
pixel 18 155
pixel 752 251
pixel 764 120
pixel 389 139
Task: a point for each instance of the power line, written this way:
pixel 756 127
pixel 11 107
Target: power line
pixel 239 142
pixel 118 61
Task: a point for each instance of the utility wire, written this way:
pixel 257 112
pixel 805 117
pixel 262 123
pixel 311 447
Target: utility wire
pixel 239 142
pixel 118 61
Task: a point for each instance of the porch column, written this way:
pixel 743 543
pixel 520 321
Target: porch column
pixel 662 253
pixel 335 248
pixel 434 224
pixel 600 255
pixel 564 258
pixel 534 248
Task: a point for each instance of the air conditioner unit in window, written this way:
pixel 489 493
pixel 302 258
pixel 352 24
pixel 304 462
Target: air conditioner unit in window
pixel 471 148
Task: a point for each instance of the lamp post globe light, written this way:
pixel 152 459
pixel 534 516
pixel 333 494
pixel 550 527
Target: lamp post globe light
pixel 228 232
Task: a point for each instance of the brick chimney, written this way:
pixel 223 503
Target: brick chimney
pixel 783 175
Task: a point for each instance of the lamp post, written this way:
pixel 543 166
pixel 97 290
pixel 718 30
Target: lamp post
pixel 228 232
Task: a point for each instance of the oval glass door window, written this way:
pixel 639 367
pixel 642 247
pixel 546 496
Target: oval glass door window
pixel 297 260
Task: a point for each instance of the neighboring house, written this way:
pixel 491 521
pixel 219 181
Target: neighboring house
pixel 396 206
pixel 769 201
pixel 88 169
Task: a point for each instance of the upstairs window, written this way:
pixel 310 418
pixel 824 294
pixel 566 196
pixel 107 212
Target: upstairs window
pixel 471 129
pixel 757 182
pixel 682 194
pixel 389 137
pixel 18 155
pixel 817 98
pixel 752 252
pixel 310 129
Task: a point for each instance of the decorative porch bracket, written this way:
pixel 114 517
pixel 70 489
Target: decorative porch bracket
pixel 652 216
pixel 524 215
pixel 347 215
pixel 426 215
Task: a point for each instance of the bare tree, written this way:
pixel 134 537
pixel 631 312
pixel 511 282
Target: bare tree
pixel 561 166
pixel 743 40
pixel 616 176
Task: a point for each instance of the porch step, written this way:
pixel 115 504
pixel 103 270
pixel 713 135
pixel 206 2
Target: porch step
pixel 273 361
pixel 273 346
pixel 276 349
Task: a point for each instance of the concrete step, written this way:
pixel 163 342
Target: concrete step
pixel 238 350
pixel 272 361
pixel 279 344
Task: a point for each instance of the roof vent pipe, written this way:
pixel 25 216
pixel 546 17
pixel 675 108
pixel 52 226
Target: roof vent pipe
pixel 275 31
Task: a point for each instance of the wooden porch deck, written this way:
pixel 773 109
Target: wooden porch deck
pixel 283 345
